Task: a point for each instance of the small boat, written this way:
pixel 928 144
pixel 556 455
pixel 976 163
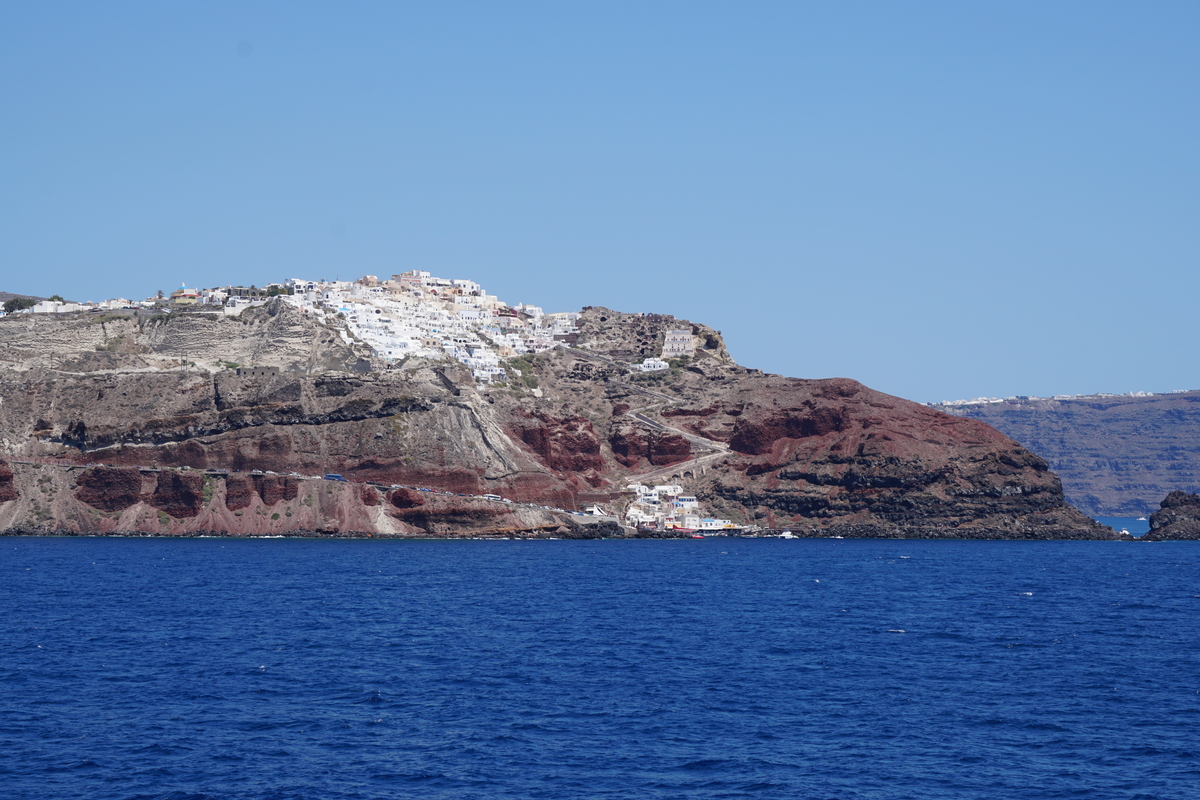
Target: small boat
pixel 697 535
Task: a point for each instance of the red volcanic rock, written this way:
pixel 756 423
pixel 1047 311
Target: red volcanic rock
pixel 565 444
pixel 459 479
pixel 179 494
pixel 835 452
pixel 406 498
pixel 7 490
pixel 445 514
pixel 668 448
pixel 368 495
pixel 240 489
pixel 758 435
pixel 109 488
pixel 273 488
pixel 630 446
pixel 823 413
pixel 239 492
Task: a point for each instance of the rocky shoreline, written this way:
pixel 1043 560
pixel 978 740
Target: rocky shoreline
pixel 612 531
pixel 1178 518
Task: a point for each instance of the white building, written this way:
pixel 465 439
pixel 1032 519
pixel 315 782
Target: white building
pixel 55 307
pixel 678 344
pixel 418 314
pixel 653 365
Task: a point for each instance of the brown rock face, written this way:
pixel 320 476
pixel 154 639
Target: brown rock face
pixel 442 514
pixel 406 498
pixel 1178 518
pixel 239 492
pixel 636 447
pixel 179 494
pixel 273 488
pixel 565 444
pixel 7 490
pixel 109 488
pixel 758 436
pixel 368 495
pixel 667 448
pixel 628 446
pixel 834 452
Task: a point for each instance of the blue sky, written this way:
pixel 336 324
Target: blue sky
pixel 942 200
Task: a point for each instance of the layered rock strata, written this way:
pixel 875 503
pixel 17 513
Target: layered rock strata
pixel 1117 455
pixel 573 427
pixel 835 457
pixel 183 502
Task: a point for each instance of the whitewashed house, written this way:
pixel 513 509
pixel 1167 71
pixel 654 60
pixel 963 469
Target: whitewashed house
pixel 678 344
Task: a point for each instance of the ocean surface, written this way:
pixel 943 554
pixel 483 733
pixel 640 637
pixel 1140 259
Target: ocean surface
pixel 199 669
pixel 1136 526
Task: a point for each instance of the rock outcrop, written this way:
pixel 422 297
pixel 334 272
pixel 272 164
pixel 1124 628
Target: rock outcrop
pixel 175 502
pixel 636 447
pixel 819 455
pixel 1178 517
pixel 193 451
pixel 178 494
pixel 7 490
pixel 109 488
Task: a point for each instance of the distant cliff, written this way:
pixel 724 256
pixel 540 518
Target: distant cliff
pixel 1116 455
pixel 158 402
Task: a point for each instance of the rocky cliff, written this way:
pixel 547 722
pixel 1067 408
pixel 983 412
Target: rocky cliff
pixel 569 427
pixel 1116 455
pixel 1178 517
pixel 51 498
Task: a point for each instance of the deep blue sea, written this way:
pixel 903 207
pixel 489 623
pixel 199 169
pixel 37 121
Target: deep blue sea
pixel 199 669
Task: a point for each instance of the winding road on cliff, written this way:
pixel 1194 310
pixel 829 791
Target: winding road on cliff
pixel 714 451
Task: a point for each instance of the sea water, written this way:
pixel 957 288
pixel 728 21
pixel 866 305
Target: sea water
pixel 1136 526
pixel 720 668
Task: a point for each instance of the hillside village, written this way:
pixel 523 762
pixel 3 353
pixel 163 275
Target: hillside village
pixel 666 507
pixel 413 314
pixel 362 379
pixel 416 315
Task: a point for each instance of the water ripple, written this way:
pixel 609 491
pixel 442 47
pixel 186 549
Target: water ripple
pixel 221 669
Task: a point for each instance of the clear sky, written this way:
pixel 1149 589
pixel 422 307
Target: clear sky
pixel 942 200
